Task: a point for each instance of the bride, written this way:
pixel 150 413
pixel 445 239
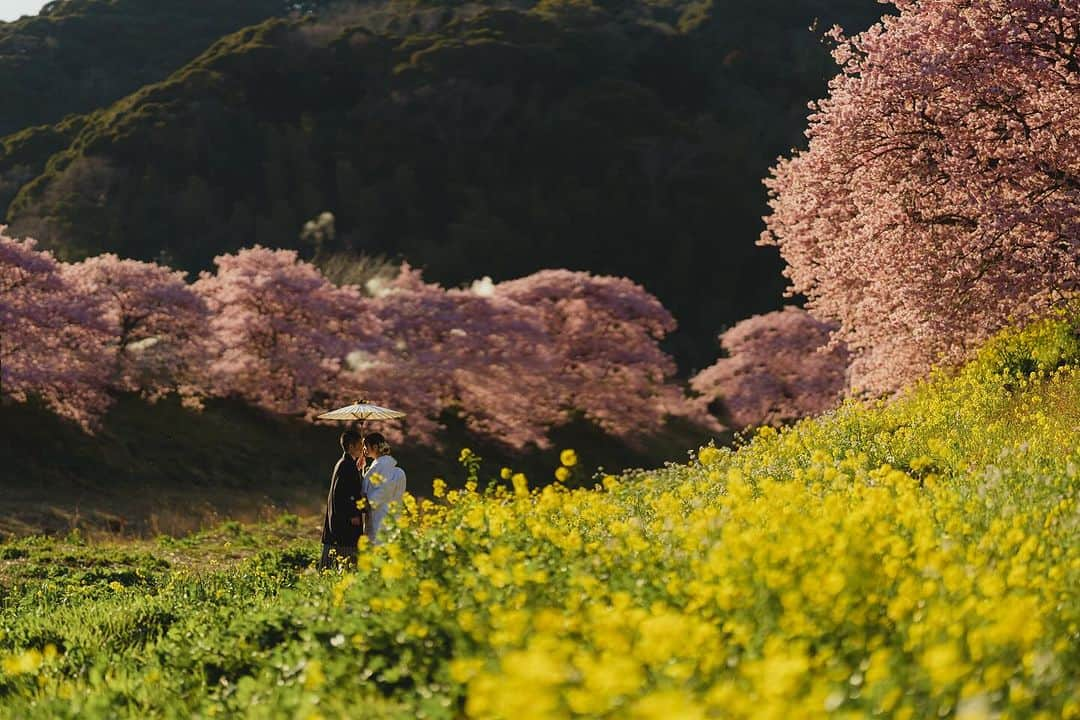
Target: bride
pixel 384 482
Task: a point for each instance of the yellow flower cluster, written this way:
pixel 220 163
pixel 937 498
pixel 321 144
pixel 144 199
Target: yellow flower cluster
pixel 28 662
pixel 919 558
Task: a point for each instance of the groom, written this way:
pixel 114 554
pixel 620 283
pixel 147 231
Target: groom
pixel 344 522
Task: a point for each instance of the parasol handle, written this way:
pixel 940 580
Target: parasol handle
pixel 361 428
pixel 361 437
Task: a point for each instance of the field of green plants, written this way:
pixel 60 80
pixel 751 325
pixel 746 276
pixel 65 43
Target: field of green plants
pixel 912 559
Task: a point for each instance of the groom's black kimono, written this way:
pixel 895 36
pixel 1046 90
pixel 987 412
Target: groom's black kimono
pixel 346 489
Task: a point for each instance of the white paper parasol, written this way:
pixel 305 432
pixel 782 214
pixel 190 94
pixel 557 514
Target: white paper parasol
pixel 362 410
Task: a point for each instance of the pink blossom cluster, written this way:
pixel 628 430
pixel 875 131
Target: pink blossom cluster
pixel 279 330
pixel 52 339
pixel 512 359
pixel 155 323
pixel 481 356
pixel 780 367
pixel 604 335
pixel 519 357
pixel 939 197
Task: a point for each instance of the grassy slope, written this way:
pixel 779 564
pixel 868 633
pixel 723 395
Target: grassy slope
pixel 912 559
pixel 163 468
pixel 156 468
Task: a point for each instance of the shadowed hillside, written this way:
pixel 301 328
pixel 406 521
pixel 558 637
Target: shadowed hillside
pixel 79 55
pixel 163 468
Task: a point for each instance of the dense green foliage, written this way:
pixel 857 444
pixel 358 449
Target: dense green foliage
pixel 472 139
pixel 909 559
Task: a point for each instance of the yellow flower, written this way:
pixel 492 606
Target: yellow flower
pixel 23 663
pixel 340 587
pixel 464 669
pixel 921 463
pixel 416 630
pixel 568 458
pixel 314 678
pixel 611 674
pixel 708 455
pixel 666 704
pixel 506 473
pixel 562 474
pixel 944 665
pixel 393 570
pixel 474 518
pixel 438 487
pixel 521 484
pixel 428 590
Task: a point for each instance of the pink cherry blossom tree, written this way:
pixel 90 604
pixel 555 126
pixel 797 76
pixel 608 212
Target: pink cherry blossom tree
pixel 51 338
pixel 484 357
pixel 515 359
pixel 939 197
pixel 605 333
pixel 156 322
pixel 280 331
pixel 780 367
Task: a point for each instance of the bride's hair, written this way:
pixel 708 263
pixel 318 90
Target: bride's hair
pixel 376 442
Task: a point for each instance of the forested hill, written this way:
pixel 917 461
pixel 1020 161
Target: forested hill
pixel 79 55
pixel 622 138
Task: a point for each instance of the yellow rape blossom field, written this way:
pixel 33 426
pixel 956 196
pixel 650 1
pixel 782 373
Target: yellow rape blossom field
pixel 918 558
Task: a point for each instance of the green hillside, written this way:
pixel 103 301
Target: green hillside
pixel 625 138
pixel 79 55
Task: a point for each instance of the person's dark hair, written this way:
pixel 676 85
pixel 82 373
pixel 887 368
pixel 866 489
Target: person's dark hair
pixel 376 442
pixel 348 439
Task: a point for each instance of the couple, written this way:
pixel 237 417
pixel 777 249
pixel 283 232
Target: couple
pixel 359 498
